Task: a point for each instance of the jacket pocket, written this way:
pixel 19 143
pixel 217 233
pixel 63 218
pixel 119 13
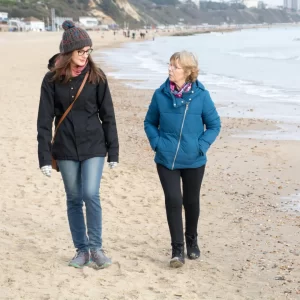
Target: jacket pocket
pixel 93 124
pixel 90 107
pixel 197 145
pixel 157 145
pixel 92 119
pixel 201 152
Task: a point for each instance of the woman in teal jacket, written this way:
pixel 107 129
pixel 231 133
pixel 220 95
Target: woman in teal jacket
pixel 181 124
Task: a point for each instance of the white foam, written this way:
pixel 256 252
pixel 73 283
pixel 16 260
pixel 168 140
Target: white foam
pixel 291 203
pixel 248 87
pixel 265 55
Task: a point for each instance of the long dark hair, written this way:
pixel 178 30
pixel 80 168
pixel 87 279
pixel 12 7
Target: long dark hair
pixel 63 68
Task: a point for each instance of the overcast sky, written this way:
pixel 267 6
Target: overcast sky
pixel 274 2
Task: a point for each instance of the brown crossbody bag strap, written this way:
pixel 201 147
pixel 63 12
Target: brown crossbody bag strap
pixel 71 105
pixel 54 162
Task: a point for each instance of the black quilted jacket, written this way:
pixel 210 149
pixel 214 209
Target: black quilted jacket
pixel 88 131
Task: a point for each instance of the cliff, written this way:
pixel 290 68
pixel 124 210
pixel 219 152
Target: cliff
pixel 146 12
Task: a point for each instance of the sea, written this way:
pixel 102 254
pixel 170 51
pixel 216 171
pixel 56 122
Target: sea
pixel 252 73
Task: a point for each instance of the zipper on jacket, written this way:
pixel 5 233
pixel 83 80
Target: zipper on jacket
pixel 186 108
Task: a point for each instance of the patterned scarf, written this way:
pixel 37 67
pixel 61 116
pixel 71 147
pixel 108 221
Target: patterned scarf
pixel 76 70
pixel 186 87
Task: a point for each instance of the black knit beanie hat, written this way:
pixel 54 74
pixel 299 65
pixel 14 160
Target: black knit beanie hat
pixel 73 38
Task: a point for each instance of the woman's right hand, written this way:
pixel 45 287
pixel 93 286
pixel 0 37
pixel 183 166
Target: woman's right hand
pixel 46 170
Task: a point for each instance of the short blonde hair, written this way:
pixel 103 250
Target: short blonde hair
pixel 189 62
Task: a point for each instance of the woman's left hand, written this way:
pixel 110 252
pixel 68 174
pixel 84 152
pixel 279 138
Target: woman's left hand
pixel 112 165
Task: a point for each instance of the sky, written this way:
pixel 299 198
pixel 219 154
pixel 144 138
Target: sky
pixel 274 2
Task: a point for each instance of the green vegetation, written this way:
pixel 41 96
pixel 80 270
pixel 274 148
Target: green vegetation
pixel 152 12
pixel 41 9
pixel 63 8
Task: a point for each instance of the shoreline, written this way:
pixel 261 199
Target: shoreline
pixel 249 245
pixel 275 129
pixel 280 126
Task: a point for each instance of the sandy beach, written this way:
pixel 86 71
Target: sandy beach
pixel 249 242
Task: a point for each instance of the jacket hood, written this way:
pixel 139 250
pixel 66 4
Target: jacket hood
pixel 165 87
pixel 52 60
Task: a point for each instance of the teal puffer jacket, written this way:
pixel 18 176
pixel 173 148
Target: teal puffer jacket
pixel 181 130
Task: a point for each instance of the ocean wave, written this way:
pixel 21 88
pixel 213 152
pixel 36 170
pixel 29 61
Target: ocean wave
pixel 149 69
pixel 247 87
pixel 265 55
pixel 133 59
pixel 150 63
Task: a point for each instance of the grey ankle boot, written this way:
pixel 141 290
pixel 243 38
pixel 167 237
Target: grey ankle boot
pixel 81 259
pixel 99 260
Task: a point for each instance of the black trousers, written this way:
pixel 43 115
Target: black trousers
pixel 174 199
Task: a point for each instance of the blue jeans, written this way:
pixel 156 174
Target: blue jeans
pixel 82 184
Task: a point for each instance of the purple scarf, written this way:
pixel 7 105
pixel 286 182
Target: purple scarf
pixel 186 87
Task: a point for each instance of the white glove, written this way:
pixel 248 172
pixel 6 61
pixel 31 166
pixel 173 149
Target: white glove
pixel 46 170
pixel 112 164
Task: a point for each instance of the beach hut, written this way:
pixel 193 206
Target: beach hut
pixel 88 22
pixel 34 24
pixel 3 16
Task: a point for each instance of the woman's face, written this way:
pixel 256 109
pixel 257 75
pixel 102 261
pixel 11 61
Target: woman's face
pixel 79 57
pixel 176 73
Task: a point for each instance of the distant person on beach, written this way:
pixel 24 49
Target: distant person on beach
pixel 85 135
pixel 181 124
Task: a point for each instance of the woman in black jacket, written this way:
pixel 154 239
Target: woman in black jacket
pixel 85 137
